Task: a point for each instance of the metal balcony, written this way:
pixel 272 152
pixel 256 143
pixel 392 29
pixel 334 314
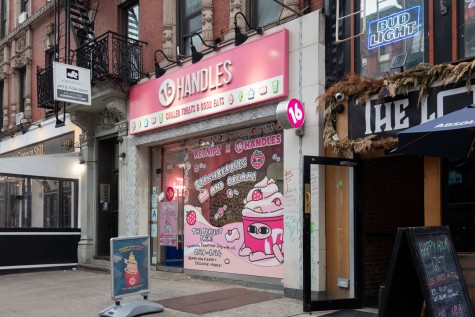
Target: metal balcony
pixel 112 57
pixel 44 77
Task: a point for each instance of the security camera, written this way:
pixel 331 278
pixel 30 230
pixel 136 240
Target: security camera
pixel 339 96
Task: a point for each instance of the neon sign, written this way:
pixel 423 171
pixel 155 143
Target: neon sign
pixel 393 28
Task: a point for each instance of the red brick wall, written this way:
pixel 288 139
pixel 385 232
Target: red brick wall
pixel 393 195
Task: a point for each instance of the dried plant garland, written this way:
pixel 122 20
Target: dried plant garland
pixel 421 77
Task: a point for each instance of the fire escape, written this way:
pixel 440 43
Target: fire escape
pixel 109 56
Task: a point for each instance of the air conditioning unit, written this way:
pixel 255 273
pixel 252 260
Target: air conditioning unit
pixel 22 17
pixel 19 116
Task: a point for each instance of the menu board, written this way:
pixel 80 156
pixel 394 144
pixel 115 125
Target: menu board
pixel 440 271
pixel 424 267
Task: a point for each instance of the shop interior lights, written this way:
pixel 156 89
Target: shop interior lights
pixel 239 37
pixel 159 72
pixel 195 55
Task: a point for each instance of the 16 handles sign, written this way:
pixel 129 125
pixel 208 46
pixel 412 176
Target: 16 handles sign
pixel 130 266
pixel 72 84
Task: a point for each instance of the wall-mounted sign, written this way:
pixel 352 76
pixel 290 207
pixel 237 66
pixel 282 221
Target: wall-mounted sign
pixel 393 28
pixel 72 84
pixel 290 114
pixel 51 146
pixel 388 118
pixel 246 75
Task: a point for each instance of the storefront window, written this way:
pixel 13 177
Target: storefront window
pixel 394 27
pixel 234 203
pixel 27 202
pixel 467 27
pixel 460 215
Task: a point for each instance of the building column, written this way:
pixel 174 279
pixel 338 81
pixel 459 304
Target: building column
pixel 169 29
pixel 235 7
pixel 14 98
pixel 207 22
pixel 87 186
pixel 5 101
pixel 88 193
pixel 432 191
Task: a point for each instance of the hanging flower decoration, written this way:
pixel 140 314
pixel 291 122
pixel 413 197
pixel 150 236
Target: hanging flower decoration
pixel 361 88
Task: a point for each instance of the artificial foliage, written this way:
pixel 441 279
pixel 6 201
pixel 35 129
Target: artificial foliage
pixel 421 77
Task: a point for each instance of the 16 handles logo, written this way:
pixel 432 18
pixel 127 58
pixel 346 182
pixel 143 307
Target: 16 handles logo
pixel 166 93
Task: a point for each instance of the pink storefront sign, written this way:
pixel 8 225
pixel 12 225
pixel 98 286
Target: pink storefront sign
pixel 250 74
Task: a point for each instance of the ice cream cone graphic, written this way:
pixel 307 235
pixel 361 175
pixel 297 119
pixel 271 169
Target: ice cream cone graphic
pixel 132 273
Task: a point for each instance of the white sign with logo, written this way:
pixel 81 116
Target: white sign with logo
pixel 72 84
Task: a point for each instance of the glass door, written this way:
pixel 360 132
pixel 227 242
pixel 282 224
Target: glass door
pixel 332 234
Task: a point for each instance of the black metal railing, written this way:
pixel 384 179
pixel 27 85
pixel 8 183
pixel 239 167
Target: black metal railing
pixel 44 77
pixel 112 56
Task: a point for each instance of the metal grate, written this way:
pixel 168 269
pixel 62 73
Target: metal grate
pixel 398 61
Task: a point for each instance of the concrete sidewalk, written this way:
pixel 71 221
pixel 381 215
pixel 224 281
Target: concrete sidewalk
pixel 82 293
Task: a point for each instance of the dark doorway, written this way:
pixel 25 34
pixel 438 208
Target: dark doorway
pixel 107 210
pixel 394 197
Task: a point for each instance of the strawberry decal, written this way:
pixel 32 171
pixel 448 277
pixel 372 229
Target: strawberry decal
pixel 277 201
pixel 191 217
pixel 257 195
pixel 257 159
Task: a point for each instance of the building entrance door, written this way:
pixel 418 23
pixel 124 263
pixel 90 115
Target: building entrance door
pixel 332 234
pixel 107 212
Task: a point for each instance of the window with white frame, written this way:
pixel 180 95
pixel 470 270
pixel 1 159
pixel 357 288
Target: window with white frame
pixel 393 28
pixel 30 202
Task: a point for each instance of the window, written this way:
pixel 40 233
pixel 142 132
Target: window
pixel 49 57
pixel 22 89
pixel 264 12
pixel 460 212
pixel 467 27
pixel 393 27
pixel 3 14
pixel 129 49
pixel 190 22
pixel 24 5
pixel 1 103
pixel 27 202
pixel 131 18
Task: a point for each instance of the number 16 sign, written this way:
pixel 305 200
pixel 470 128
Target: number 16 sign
pixel 290 114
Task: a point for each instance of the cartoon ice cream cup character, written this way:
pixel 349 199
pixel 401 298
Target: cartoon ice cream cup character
pixel 263 221
pixel 132 273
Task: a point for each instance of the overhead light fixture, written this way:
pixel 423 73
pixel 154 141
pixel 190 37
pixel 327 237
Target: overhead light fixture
pixel 59 123
pixel 195 55
pixel 239 37
pixel 159 72
pixel 25 125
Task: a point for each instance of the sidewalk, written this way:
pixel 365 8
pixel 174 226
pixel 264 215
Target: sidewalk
pixel 82 293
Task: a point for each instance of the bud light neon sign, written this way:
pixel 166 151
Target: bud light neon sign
pixel 393 28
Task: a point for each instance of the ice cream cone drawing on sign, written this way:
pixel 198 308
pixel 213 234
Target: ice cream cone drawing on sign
pixel 263 222
pixel 132 273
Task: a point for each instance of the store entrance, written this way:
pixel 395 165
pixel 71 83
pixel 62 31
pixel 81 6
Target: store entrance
pixel 108 200
pixel 167 207
pixel 338 285
pixel 394 197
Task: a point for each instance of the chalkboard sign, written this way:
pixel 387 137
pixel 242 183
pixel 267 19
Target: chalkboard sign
pixel 424 267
